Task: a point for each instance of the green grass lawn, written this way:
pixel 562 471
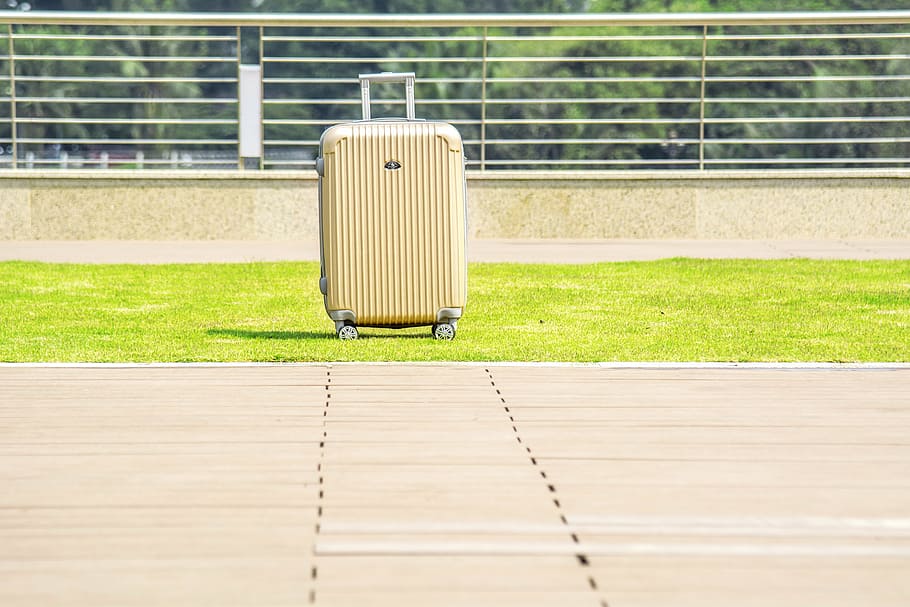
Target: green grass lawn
pixel 671 310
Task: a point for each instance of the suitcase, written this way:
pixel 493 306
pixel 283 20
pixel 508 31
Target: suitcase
pixel 392 220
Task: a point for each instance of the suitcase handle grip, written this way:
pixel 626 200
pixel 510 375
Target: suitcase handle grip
pixel 406 77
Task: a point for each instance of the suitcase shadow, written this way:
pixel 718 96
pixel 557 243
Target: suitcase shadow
pixel 247 334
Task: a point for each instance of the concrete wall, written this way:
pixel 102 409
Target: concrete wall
pixel 171 206
pixel 283 206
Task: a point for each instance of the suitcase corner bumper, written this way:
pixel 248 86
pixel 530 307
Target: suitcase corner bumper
pixel 448 314
pixel 342 316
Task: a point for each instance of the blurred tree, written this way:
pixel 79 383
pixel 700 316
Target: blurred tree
pixel 657 100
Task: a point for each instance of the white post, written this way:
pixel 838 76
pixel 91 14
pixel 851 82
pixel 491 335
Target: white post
pixel 250 96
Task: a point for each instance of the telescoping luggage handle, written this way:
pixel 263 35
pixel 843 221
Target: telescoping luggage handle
pixel 406 77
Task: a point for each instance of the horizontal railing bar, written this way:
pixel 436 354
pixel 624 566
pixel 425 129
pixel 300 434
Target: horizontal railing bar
pixel 311 164
pixel 356 60
pixel 169 38
pixel 291 142
pixel 807 36
pixel 131 160
pixel 593 100
pixel 605 141
pixel 330 39
pixel 490 59
pixel 876 78
pixel 773 58
pixel 746 141
pixel 661 161
pixel 808 161
pixel 592 161
pixel 796 119
pixel 807 100
pixel 423 81
pixel 548 121
pixel 125 121
pixel 659 140
pixel 315 142
pixel 349 39
pixel 598 59
pixel 138 141
pixel 555 38
pixel 117 58
pixel 114 100
pixel 119 80
pixel 602 38
pixel 308 122
pixel 808 140
pixel 688 100
pixel 595 79
pixel 193 160
pixel 443 20
pixel 357 102
pixel 589 141
pixel 493 101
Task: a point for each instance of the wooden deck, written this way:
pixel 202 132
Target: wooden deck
pixel 358 485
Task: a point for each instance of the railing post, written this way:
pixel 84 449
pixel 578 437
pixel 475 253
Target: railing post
pixel 250 91
pixel 483 105
pixel 261 98
pixel 12 97
pixel 701 105
pixel 250 107
pixel 240 166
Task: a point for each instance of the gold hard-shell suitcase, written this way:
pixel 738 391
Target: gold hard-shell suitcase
pixel 392 220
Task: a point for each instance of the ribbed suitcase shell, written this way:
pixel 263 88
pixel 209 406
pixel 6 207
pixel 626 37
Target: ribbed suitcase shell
pixel 393 239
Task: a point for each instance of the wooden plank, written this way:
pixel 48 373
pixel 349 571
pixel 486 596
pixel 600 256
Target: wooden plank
pixel 416 485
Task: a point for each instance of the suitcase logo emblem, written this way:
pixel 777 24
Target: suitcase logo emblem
pixel 392 165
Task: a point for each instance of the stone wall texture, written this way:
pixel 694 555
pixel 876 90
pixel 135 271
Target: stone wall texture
pixel 115 205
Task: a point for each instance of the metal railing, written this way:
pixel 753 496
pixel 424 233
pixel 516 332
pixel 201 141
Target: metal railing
pixel 691 91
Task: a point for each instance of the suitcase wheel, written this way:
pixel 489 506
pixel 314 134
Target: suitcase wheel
pixel 444 331
pixel 347 332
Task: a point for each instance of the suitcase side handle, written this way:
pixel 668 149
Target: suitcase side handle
pixel 406 77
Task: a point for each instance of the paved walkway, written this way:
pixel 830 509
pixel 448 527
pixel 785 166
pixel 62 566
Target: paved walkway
pixel 536 251
pixel 455 485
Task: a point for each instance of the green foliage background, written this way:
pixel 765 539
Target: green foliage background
pixel 657 100
pixel 464 6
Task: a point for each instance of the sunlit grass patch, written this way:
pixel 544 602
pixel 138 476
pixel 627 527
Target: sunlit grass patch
pixel 670 310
